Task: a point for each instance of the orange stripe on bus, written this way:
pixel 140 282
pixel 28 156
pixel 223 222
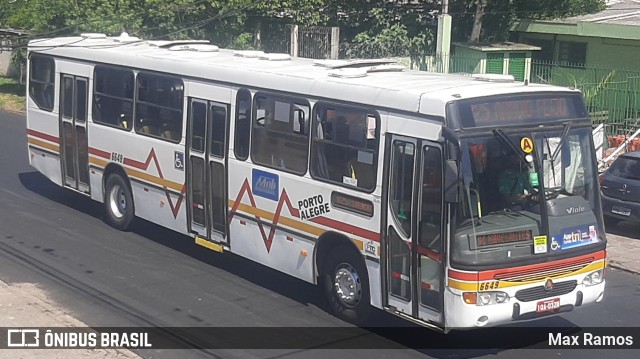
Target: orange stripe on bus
pixel 46 145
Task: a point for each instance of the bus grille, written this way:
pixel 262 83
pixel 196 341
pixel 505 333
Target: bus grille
pixel 551 270
pixel 535 293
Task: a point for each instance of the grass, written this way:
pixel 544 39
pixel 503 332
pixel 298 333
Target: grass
pixel 12 95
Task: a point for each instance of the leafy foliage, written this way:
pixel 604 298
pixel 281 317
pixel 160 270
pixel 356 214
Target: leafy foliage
pixel 499 15
pixel 379 26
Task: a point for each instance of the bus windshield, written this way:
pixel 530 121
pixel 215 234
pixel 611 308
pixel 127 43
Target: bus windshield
pixel 527 195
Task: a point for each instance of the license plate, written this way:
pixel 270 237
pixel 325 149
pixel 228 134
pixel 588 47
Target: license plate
pixel 621 211
pixel 548 305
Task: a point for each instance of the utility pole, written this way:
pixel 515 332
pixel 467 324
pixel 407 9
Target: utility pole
pixel 443 44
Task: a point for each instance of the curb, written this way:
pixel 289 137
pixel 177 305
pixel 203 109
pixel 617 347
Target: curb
pixel 623 268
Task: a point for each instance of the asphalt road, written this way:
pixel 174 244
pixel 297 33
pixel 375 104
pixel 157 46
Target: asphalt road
pixel 154 277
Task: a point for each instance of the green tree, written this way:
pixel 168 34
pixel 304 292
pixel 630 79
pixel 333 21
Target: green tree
pixel 376 28
pixel 148 18
pixel 490 20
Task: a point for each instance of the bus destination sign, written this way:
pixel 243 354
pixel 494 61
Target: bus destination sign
pixel 517 110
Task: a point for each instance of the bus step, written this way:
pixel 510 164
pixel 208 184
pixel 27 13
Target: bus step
pixel 208 244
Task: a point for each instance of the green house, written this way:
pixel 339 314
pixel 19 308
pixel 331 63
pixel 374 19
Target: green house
pixel 610 38
pixel 597 53
pixel 507 58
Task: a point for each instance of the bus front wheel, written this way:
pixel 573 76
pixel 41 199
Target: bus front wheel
pixel 118 203
pixel 346 285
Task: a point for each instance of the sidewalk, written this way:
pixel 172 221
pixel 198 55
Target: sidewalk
pixel 25 305
pixel 623 247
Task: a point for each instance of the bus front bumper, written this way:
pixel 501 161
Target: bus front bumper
pixel 460 315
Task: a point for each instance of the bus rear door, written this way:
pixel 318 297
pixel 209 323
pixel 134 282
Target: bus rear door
pixel 206 169
pixel 413 246
pixel 73 132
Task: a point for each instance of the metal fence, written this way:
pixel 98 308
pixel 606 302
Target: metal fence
pixel 612 95
pixel 314 42
pixel 275 38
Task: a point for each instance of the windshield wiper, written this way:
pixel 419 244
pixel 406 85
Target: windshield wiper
pixel 505 141
pixel 563 137
pixel 554 156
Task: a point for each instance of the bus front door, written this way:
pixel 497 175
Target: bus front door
pixel 206 169
pixel 74 156
pixel 413 264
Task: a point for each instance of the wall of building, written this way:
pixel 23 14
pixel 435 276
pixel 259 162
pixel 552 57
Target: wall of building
pixel 605 52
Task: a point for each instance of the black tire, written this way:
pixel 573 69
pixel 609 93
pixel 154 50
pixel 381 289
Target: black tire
pixel 118 203
pixel 345 271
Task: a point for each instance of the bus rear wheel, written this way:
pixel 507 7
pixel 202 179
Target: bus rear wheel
pixel 118 203
pixel 346 285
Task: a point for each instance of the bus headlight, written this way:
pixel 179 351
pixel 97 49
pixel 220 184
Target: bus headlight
pixel 485 298
pixel 501 297
pixel 594 278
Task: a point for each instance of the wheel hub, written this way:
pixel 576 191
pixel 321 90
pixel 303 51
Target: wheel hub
pixel 347 285
pixel 118 202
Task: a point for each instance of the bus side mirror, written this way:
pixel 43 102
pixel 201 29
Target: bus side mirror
pixel 451 193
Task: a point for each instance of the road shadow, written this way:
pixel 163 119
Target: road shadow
pixel 37 183
pixel 383 329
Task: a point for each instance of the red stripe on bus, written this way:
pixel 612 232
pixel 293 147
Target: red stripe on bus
pixel 175 207
pixel 427 252
pixel 43 136
pixel 361 232
pixel 468 276
pixel 99 153
pixel 145 165
pixel 523 270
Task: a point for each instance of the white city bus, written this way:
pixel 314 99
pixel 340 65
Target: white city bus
pixel 451 201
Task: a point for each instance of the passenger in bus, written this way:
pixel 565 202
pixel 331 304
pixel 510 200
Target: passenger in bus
pixel 324 130
pixel 513 182
pixel 47 96
pixel 149 128
pixel 169 131
pixel 360 173
pixel 341 134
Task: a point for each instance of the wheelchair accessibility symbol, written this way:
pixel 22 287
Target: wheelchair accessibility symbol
pixel 554 244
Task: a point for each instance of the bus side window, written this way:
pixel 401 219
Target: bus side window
pixel 300 119
pixel 113 97
pixel 243 124
pixel 159 106
pixel 279 138
pixel 344 147
pixel 41 80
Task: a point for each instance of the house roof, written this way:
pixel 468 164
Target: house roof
pixel 619 12
pixel 498 47
pixel 12 32
pixel 619 20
